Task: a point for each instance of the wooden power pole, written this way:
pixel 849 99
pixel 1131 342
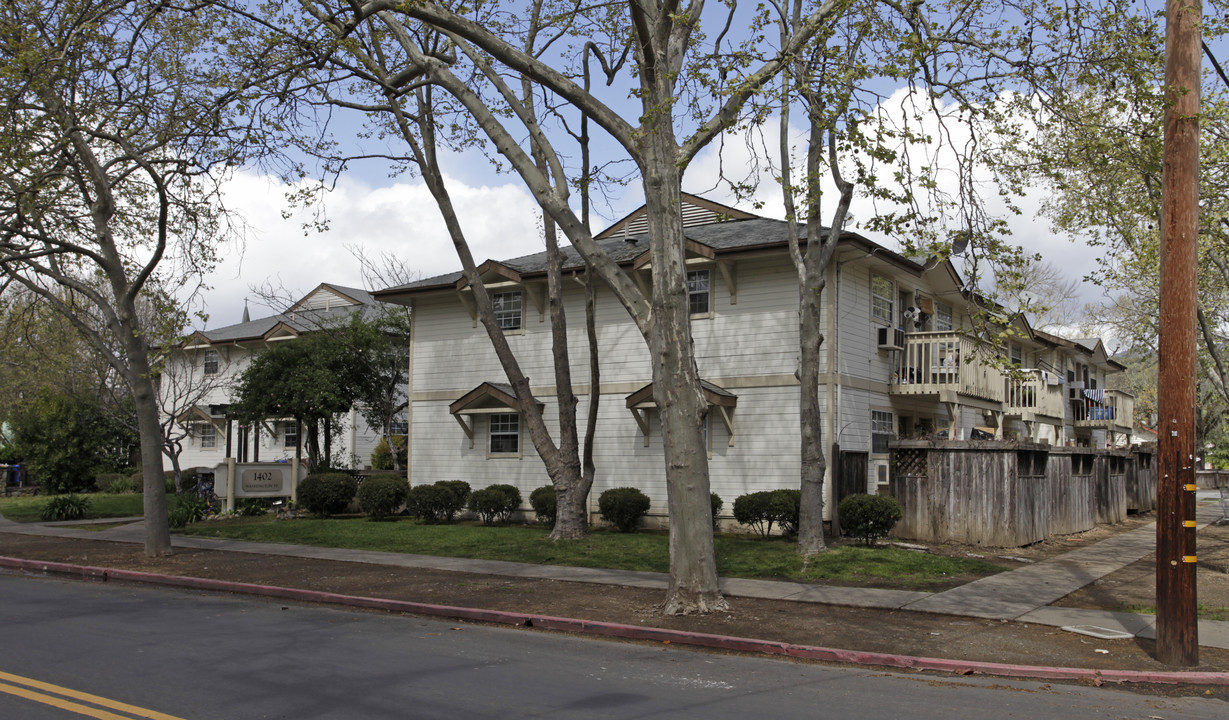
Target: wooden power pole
pixel 1177 632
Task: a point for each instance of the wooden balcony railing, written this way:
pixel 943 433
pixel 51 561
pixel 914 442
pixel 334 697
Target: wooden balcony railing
pixel 1103 409
pixel 1031 394
pixel 940 363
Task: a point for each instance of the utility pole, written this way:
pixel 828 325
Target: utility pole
pixel 1177 631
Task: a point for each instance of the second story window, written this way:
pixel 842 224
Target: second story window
pixel 210 362
pixel 290 435
pixel 882 303
pixel 943 316
pixel 508 309
pixel 1017 355
pixel 881 431
pixel 698 292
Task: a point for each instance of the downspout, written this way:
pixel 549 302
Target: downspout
pixel 353 439
pixel 832 386
pixel 409 402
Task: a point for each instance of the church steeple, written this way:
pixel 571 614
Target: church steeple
pixel 246 316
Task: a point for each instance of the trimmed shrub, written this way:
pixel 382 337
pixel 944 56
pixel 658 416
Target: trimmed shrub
pixel 716 502
pixel 868 517
pixel 544 504
pixel 327 494
pixel 65 507
pixel 623 507
pixel 432 503
pixel 460 489
pixel 187 509
pixel 114 483
pixel 102 481
pixel 761 510
pixel 495 503
pixel 382 494
pixel 168 478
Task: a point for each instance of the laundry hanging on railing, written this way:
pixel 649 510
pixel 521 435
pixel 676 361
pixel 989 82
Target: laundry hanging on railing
pixel 1097 395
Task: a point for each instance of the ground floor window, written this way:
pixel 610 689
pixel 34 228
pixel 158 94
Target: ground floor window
pixel 505 434
pixel 881 430
pixel 208 436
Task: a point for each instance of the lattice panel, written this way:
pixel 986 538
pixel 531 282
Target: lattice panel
pixel 910 461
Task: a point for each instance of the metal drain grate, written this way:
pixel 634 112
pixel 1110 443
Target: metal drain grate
pixel 1099 632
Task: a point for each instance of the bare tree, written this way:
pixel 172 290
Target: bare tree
pixel 470 69
pixel 181 387
pixel 113 124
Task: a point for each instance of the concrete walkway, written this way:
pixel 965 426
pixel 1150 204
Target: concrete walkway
pixel 1022 595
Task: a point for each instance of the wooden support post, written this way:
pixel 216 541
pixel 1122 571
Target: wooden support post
pixel 1177 630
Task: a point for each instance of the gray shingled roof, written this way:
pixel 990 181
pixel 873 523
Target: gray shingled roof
pixel 729 235
pixel 301 321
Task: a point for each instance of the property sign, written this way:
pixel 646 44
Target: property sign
pixel 258 479
pixel 262 480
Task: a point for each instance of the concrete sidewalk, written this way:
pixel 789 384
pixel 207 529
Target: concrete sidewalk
pixel 1022 595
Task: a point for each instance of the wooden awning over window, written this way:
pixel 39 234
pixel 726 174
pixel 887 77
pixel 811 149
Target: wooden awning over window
pixel 202 414
pixel 497 277
pixel 486 399
pixel 723 400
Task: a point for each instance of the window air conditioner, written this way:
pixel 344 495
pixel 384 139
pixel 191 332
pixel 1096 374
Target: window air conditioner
pixel 890 338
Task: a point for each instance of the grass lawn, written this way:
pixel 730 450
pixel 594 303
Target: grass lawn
pixel 737 556
pixel 30 508
pixel 1205 612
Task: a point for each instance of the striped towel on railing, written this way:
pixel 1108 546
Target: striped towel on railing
pixel 1097 396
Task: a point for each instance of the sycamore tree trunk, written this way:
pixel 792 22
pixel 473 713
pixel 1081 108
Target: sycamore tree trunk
pixel 588 468
pixel 561 461
pixel 571 486
pixel 676 390
pixel 145 402
pixel 811 505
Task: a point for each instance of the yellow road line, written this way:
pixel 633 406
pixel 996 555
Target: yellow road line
pixel 63 704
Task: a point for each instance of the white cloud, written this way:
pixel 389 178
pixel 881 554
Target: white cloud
pixel 401 218
pixel 1029 228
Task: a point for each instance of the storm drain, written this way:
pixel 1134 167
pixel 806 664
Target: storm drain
pixel 1099 632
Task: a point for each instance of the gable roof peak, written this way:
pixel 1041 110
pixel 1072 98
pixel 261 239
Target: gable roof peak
pixel 696 211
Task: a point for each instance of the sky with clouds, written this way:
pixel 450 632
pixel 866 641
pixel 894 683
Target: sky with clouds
pixel 398 216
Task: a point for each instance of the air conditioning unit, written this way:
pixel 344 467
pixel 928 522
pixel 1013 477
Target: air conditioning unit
pixel 890 338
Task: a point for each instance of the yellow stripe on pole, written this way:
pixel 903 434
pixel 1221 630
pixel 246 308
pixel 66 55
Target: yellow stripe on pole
pixel 1188 558
pixel 61 703
pixel 1188 523
pixel 1191 487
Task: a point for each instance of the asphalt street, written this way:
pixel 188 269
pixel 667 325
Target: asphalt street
pixel 199 656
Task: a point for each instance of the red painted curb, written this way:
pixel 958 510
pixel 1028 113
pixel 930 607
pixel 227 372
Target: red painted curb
pixel 629 632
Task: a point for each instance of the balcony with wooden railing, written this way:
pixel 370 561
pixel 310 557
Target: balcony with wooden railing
pixel 947 364
pixel 1028 394
pixel 1108 409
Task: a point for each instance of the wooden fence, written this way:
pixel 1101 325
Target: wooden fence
pixel 1141 479
pixel 1211 478
pixel 1009 494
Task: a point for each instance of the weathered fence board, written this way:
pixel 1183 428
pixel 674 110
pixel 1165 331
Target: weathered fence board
pixel 1006 494
pixel 1141 480
pixel 1110 496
